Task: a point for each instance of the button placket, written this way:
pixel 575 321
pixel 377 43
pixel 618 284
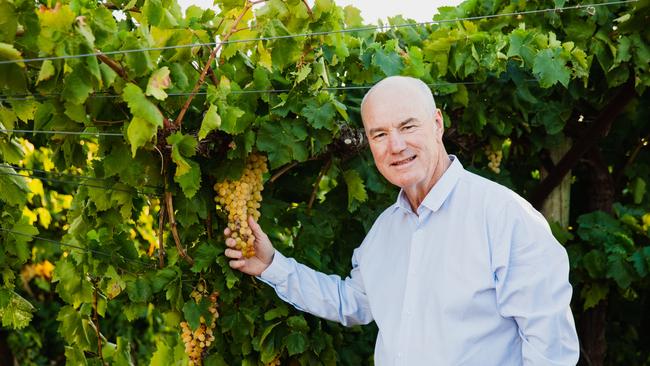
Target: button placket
pixel 407 305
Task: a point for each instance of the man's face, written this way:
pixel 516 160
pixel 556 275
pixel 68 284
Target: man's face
pixel 405 137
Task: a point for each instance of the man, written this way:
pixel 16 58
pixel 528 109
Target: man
pixel 459 271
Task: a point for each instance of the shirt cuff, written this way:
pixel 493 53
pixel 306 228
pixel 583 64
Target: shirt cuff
pixel 278 271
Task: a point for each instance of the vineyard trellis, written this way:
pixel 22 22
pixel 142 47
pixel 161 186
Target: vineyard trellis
pixel 108 163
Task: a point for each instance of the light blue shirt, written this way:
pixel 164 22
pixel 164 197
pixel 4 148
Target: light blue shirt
pixel 474 278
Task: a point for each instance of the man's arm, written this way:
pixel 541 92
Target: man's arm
pixel 532 284
pixel 326 296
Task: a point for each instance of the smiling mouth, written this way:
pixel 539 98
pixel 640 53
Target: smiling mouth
pixel 405 161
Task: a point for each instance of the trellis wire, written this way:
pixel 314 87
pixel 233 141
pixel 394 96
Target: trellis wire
pixel 252 91
pixel 323 33
pixel 76 247
pixel 81 184
pixel 67 175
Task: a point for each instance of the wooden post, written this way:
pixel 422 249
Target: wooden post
pixel 556 206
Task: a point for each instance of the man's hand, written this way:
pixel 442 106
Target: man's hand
pixel 263 251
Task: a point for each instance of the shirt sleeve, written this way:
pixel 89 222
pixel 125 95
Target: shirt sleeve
pixel 326 296
pixel 532 285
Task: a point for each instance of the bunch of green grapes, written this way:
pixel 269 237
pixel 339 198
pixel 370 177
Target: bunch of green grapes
pixel 241 199
pixel 494 156
pixel 197 342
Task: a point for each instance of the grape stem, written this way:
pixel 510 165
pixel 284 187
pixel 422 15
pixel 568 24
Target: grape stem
pixel 323 171
pixel 174 230
pixel 161 245
pixel 282 170
pixel 311 14
pixel 213 54
pixel 96 321
pixel 114 66
pixel 208 224
pixel 287 167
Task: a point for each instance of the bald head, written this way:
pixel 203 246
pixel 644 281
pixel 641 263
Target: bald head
pixel 415 90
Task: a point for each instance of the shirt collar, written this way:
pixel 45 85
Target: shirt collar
pixel 439 192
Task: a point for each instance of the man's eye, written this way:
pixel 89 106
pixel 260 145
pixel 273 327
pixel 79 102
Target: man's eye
pixel 408 127
pixel 379 135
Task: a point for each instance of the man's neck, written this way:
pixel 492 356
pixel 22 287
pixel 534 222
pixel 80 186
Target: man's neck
pixel 417 194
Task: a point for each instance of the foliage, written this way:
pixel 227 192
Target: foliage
pixel 100 195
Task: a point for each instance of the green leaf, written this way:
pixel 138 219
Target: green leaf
pixel 296 343
pixel 115 284
pixel 163 356
pixel 521 42
pixel 8 119
pixel 15 311
pixel 280 311
pixel 188 172
pixel 46 72
pixel 162 278
pixel 158 82
pixel 76 329
pixel 595 263
pixel 298 323
pixel 205 257
pixel 211 121
pixel 182 146
pixel 620 271
pixel 356 189
pixel 72 287
pixel 283 141
pixel 550 68
pixel 192 311
pixel 22 233
pixel 11 151
pixel 77 86
pixel 352 16
pixel 390 63
pixel 139 290
pixel 122 355
pixel 641 261
pixel 8 52
pixel 8 22
pixel 75 357
pixel 319 115
pixel 593 293
pixel 139 132
pixel 25 109
pixel 140 106
pixel 215 359
pixel 231 121
pixel 302 74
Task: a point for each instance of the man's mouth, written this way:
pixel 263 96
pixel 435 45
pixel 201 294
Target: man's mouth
pixel 404 161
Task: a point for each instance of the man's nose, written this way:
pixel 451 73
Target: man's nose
pixel 396 143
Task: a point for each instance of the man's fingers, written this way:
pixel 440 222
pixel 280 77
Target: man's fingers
pixel 231 242
pixel 257 230
pixel 237 264
pixel 234 254
pixel 226 231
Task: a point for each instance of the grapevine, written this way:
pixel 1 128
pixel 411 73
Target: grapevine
pixel 241 199
pixel 131 116
pixel 198 341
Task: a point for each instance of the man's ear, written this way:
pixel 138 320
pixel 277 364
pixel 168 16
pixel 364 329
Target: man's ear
pixel 438 120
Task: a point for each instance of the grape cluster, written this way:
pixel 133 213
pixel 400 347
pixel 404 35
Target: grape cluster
pixel 197 341
pixel 495 159
pixel 241 198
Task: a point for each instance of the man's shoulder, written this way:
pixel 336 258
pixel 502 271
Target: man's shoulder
pixel 495 195
pixel 503 206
